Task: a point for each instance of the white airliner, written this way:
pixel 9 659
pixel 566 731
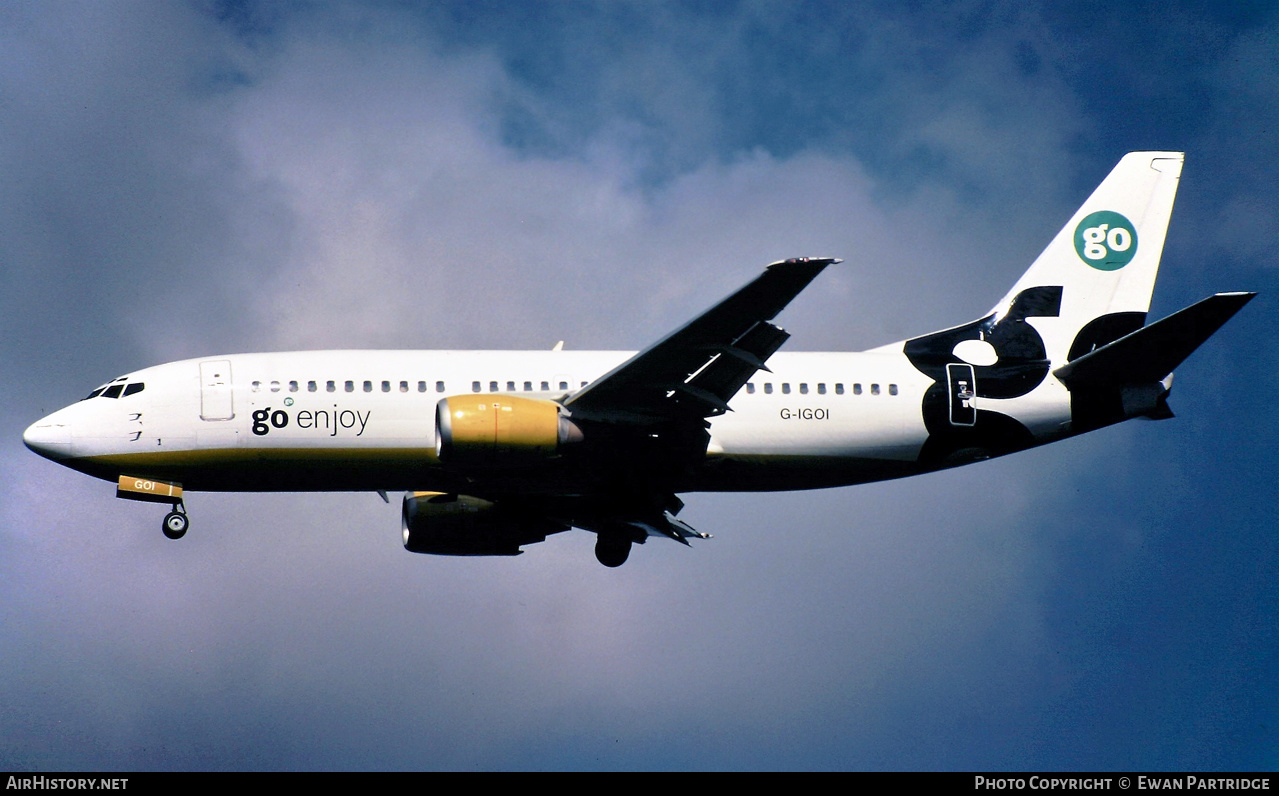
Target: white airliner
pixel 498 449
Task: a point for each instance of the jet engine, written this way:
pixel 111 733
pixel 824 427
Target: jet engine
pixel 461 525
pixel 500 430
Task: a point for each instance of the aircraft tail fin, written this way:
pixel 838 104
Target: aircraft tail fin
pixel 1103 263
pixel 1079 314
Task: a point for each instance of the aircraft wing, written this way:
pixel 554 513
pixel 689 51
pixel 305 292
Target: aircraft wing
pixel 694 371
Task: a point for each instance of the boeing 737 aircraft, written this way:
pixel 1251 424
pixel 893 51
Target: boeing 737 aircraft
pixel 498 449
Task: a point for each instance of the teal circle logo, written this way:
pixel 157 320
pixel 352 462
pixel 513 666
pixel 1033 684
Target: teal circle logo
pixel 1106 240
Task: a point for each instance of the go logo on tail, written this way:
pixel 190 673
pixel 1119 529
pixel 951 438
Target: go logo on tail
pixel 1106 240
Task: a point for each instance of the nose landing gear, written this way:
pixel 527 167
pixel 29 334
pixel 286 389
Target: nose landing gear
pixel 176 522
pixel 151 490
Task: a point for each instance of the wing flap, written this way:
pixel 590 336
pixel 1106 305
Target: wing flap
pixel 698 368
pixel 734 365
pixel 638 528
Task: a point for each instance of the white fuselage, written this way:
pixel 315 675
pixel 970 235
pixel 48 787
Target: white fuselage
pixel 355 420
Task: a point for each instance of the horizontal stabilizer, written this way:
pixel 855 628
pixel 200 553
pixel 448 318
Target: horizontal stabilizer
pixel 1152 352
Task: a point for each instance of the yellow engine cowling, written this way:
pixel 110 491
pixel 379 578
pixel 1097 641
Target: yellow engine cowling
pixel 500 430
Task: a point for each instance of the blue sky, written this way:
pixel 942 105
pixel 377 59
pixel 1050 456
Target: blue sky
pixel 187 179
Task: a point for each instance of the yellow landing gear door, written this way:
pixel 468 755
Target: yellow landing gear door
pixel 149 490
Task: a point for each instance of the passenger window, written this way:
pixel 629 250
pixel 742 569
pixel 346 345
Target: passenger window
pixel 768 388
pixel 750 389
pixel 510 386
pixel 546 386
pixel 439 386
pixel 135 387
pixel 874 389
pixel 293 386
pixel 585 383
pixel 892 389
pixel 803 389
pixel 257 385
pixel 563 385
pixel 475 386
pixel 492 386
pixel 275 386
pixel 330 386
pixel 311 386
pixel 528 386
pixel 857 389
pixel 821 388
pixel 386 386
pixel 786 388
pixel 839 388
pixel 368 386
pixel 421 386
pixel 350 386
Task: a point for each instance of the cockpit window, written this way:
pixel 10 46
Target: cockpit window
pixel 117 389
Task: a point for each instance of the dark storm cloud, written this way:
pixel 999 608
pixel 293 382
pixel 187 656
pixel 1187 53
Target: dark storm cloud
pixel 187 180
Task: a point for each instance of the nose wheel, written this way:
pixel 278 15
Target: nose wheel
pixel 176 522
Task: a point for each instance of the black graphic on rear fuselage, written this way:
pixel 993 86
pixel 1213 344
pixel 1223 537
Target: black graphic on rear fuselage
pixel 959 430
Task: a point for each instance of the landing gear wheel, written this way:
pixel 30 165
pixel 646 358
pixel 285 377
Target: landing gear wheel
pixel 612 550
pixel 175 524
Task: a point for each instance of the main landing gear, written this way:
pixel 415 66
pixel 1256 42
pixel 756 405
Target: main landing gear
pixel 176 522
pixel 612 549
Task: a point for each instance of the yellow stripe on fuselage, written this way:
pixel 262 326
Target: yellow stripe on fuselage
pixel 424 456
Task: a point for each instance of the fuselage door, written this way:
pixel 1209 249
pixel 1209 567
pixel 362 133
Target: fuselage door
pixel 963 394
pixel 215 390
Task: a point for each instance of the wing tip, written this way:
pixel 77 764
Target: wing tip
pixel 820 262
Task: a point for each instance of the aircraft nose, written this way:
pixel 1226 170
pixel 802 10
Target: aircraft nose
pixel 49 437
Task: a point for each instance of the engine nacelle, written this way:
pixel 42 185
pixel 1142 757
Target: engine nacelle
pixel 500 430
pixel 461 525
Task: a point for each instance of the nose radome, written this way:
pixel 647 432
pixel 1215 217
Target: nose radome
pixel 49 438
